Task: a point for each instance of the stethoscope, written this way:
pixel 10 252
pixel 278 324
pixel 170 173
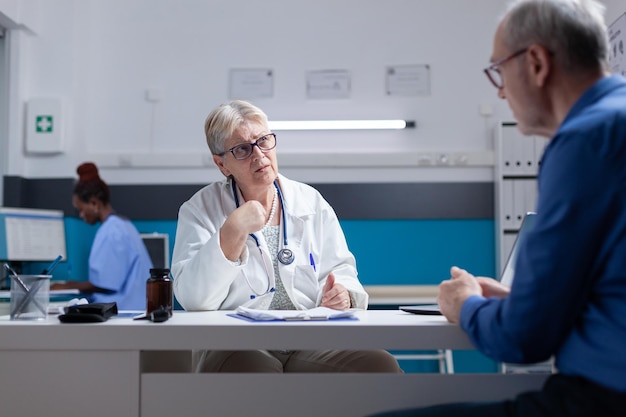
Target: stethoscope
pixel 285 256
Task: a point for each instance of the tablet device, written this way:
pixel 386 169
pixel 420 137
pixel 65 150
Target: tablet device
pixel 426 309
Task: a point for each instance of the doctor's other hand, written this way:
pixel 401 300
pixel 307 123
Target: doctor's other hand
pixel 454 292
pixel 335 295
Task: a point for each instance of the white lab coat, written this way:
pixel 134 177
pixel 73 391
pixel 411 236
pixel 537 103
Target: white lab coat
pixel 204 279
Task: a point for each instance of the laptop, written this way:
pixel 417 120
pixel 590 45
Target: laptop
pixel 507 274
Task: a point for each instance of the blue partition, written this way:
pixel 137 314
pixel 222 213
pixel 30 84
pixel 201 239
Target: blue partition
pixel 388 252
pixel 410 252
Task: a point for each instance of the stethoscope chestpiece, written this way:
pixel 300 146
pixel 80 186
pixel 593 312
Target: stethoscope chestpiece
pixel 286 256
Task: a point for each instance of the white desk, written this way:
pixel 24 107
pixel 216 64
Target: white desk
pixel 117 368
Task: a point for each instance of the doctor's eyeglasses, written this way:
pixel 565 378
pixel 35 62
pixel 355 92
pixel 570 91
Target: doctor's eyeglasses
pixel 264 143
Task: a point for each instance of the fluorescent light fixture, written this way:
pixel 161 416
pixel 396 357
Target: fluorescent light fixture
pixel 341 124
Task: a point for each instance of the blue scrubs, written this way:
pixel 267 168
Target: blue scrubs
pixel 568 297
pixel 119 262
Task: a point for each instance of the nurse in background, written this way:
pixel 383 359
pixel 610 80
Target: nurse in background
pixel 119 263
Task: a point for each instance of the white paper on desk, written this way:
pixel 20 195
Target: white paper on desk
pixel 318 313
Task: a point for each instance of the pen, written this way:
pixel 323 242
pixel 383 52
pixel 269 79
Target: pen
pixel 53 265
pixel 312 262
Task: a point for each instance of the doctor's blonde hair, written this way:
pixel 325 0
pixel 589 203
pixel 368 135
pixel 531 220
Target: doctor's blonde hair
pixel 226 118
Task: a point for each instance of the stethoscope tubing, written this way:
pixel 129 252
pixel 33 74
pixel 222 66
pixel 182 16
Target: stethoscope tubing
pixel 285 256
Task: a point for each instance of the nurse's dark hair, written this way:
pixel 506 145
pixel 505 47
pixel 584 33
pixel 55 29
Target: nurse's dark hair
pixel 574 31
pixel 90 184
pixel 222 122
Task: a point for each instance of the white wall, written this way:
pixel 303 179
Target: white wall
pixel 614 9
pixel 20 14
pixel 100 56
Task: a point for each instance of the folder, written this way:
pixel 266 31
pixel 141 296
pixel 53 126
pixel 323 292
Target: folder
pixel 318 313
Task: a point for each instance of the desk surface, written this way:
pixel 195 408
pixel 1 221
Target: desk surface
pixel 374 329
pixel 120 355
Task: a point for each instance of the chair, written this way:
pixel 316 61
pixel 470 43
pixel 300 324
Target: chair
pixel 443 356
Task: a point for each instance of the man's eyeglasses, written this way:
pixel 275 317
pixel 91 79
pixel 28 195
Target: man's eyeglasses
pixel 493 70
pixel 264 143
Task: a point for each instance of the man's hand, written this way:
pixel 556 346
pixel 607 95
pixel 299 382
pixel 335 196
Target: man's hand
pixel 454 292
pixel 493 288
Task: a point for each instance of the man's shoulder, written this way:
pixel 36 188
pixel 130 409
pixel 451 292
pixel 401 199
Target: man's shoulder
pixel 600 112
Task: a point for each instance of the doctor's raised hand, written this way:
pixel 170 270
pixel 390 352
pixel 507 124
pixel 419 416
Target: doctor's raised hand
pixel 245 220
pixel 260 240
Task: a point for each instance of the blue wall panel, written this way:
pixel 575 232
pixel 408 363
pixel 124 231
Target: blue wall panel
pixel 388 252
pixel 409 252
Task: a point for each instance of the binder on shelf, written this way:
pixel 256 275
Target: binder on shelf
pixel 519 202
pixel 507 162
pixel 529 157
pixel 530 195
pixel 518 153
pixel 508 204
pixel 540 146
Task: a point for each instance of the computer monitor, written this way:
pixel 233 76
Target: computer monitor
pixel 158 245
pixel 31 234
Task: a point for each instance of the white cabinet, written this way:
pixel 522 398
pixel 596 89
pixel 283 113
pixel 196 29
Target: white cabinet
pixel 517 163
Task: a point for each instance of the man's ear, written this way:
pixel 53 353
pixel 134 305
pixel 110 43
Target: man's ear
pixel 539 64
pixel 219 161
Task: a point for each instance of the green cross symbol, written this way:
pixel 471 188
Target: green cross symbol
pixel 43 124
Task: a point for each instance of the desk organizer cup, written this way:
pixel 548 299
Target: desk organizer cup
pixel 30 297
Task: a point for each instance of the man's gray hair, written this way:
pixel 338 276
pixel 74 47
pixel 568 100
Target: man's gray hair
pixel 574 31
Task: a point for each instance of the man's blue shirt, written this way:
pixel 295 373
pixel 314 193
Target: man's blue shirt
pixel 568 297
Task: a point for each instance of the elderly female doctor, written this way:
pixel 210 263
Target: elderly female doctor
pixel 261 240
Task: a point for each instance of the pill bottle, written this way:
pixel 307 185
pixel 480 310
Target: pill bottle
pixel 159 293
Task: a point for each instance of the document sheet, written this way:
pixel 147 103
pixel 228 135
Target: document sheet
pixel 318 313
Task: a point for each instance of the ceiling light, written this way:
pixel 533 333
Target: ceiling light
pixel 341 124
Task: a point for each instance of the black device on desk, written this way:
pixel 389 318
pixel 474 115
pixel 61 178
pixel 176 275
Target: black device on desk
pixel 157 316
